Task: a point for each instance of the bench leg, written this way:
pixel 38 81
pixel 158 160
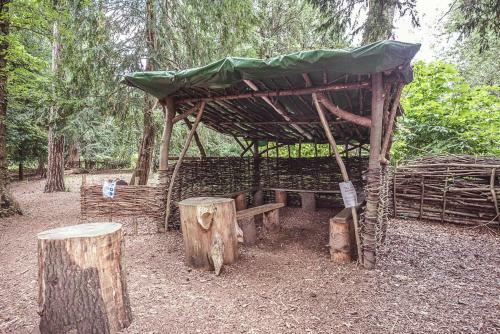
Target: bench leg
pixel 280 196
pixel 258 199
pixel 308 201
pixel 247 225
pixel 240 202
pixel 272 220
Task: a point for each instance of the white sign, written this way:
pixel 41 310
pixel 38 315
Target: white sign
pixel 348 194
pixel 108 189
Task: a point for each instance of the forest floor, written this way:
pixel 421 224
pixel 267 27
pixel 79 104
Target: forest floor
pixel 431 278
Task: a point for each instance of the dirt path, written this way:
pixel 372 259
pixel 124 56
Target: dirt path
pixel 431 279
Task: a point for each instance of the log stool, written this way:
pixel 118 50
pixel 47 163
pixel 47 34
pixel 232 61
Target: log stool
pixel 342 237
pixel 209 230
pixel 82 280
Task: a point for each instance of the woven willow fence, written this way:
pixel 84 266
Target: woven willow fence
pixel 128 202
pixel 457 189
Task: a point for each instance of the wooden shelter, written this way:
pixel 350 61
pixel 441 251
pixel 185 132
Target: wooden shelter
pixel 340 97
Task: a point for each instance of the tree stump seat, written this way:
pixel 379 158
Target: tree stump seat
pixel 82 279
pixel 342 237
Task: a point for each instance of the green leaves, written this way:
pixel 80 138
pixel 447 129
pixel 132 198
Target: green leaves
pixel 445 114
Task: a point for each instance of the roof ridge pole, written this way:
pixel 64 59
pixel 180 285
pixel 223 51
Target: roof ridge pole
pixel 339 160
pixel 373 175
pixel 181 157
pixel 279 109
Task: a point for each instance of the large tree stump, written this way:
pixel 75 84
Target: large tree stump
pixel 82 280
pixel 209 229
pixel 308 201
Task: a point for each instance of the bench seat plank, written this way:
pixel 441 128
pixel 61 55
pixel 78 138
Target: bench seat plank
pixel 250 212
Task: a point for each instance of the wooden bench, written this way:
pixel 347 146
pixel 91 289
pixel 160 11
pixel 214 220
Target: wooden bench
pixel 246 221
pixel 307 197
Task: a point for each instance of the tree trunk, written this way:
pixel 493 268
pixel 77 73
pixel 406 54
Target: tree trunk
pixel 55 159
pixel 21 171
pixel 74 155
pixel 148 135
pixel 82 280
pixel 378 24
pixel 55 165
pixel 209 230
pixel 7 204
pixel 147 145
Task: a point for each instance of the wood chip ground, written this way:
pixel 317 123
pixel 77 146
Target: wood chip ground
pixel 431 278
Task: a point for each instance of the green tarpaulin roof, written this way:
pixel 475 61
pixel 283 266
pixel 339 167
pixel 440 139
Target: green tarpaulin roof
pixel 372 58
pixel 249 118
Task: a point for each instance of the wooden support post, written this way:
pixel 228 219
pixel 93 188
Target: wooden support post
pixel 373 179
pixel 169 111
pixel 209 230
pixel 81 280
pixel 308 201
pixel 179 162
pixel 280 196
pixel 240 201
pixel 340 163
pixel 258 199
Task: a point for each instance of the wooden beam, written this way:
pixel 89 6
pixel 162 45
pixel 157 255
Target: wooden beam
pixel 245 150
pixel 346 115
pixel 282 123
pixel 186 114
pixel 390 125
pixel 373 180
pixel 279 109
pixel 196 139
pixel 181 156
pixel 287 92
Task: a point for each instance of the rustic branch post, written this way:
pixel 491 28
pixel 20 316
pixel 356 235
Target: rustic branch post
pixel 169 111
pixel 373 179
pixel 181 157
pixel 82 279
pixel 338 158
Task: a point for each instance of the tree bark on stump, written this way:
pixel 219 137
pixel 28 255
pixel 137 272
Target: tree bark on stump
pixel 280 196
pixel 308 201
pixel 209 230
pixel 82 280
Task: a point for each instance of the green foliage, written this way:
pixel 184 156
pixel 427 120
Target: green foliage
pixel 476 18
pixel 445 114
